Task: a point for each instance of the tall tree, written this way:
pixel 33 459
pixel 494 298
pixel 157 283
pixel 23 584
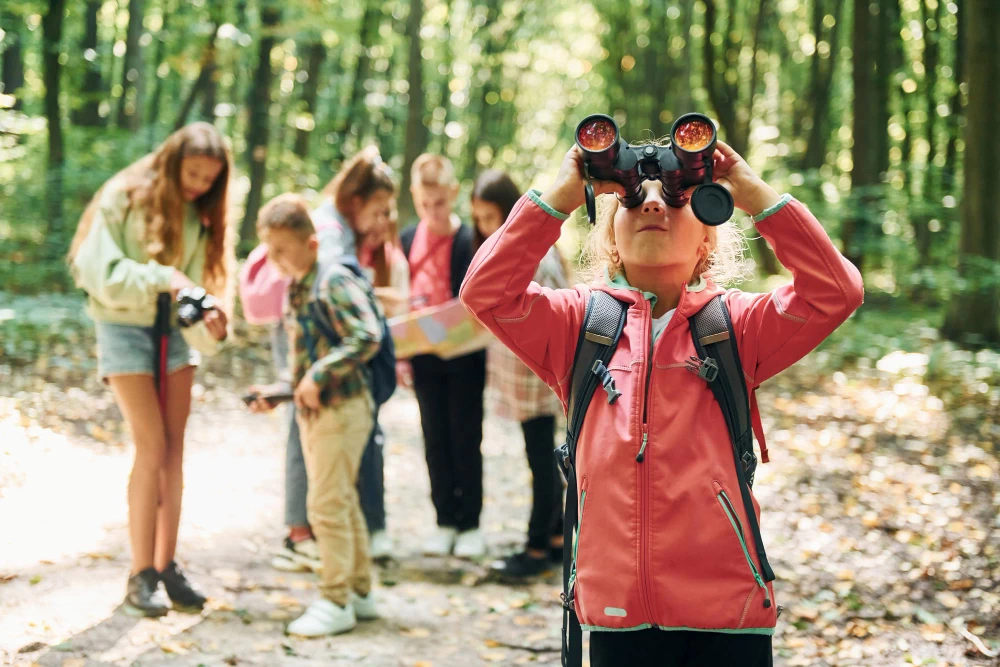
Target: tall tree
pixel 416 136
pixel 867 130
pixel 88 113
pixel 822 68
pixel 130 103
pixel 315 53
pixel 975 312
pixel 929 193
pixel 354 120
pixel 203 84
pixel 52 25
pixel 162 37
pixel 955 105
pixel 12 60
pixel 258 131
pixel 731 99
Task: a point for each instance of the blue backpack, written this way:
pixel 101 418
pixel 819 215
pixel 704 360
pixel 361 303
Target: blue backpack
pixel 382 367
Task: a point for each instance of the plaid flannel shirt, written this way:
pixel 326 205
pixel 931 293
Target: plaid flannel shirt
pixel 338 370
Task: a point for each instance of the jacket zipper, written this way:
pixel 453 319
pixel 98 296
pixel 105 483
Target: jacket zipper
pixel 576 544
pixel 644 473
pixel 734 521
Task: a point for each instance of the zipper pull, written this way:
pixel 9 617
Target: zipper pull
pixel 642 450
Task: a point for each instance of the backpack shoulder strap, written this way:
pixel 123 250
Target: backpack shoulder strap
pixel 718 363
pixel 602 327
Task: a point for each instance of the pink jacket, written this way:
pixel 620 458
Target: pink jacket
pixel 663 542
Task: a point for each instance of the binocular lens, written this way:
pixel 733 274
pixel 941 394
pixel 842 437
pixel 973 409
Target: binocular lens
pixel 694 135
pixel 597 135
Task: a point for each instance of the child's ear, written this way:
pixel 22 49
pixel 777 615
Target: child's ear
pixel 313 243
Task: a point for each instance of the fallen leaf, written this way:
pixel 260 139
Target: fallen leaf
pixel 6 578
pixel 100 556
pixel 423 663
pixel 948 599
pixel 416 633
pixel 492 643
pixel 177 648
pixel 35 579
pixel 32 647
pixel 494 656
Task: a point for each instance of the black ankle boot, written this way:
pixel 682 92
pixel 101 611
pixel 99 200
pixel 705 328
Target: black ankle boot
pixel 182 593
pixel 145 597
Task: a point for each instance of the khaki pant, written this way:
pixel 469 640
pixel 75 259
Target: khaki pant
pixel 333 441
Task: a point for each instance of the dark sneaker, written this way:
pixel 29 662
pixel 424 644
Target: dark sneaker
pixel 522 565
pixel 184 596
pixel 145 596
pixel 556 554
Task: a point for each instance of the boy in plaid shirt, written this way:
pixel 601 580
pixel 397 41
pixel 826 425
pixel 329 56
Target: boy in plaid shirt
pixel 335 408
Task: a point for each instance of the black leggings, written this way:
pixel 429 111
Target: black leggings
pixel 679 648
pixel 546 486
pixel 450 397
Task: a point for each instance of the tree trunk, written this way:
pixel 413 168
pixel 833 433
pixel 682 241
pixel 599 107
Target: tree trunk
pixel 974 314
pixel 356 114
pixel 12 63
pixel 88 113
pixel 447 60
pixel 867 117
pixel 130 103
pixel 416 136
pixel 956 107
pixel 153 113
pixel 258 130
pixel 52 25
pixel 822 71
pixel 202 84
pixel 884 31
pixel 315 54
pixel 929 191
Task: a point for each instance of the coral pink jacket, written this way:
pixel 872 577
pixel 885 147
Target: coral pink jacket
pixel 663 542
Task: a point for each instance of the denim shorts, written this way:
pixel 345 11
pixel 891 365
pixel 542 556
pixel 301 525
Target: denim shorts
pixel 124 349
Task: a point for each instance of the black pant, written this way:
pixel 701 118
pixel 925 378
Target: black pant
pixel 546 485
pixel 371 480
pixel 450 396
pixel 679 648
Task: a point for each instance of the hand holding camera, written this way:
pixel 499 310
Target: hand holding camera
pixel 196 305
pixel 264 398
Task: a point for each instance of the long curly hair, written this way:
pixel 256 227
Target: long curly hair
pixel 725 262
pixel 153 186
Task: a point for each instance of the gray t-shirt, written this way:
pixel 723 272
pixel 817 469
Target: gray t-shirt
pixel 660 323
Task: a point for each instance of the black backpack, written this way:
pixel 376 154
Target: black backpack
pixel 718 363
pixel 381 367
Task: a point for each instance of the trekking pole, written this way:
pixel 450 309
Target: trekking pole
pixel 161 338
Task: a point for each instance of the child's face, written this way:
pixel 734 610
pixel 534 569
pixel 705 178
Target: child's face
pixel 656 235
pixel 434 202
pixel 372 214
pixel 486 216
pixel 198 174
pixel 293 255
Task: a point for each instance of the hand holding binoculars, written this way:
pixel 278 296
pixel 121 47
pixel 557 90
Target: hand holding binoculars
pixel 193 303
pixel 686 161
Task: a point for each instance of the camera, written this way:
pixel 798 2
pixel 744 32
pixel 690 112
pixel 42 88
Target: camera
pixel 193 302
pixel 685 161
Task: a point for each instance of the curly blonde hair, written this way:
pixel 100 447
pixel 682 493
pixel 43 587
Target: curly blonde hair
pixel 153 186
pixel 725 263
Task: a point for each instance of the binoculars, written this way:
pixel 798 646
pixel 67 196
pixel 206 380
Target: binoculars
pixel 685 161
pixel 193 302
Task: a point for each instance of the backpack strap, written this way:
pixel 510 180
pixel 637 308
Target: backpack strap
pixel 718 363
pixel 602 327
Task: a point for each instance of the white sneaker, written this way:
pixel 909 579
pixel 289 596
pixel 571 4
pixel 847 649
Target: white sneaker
pixel 441 542
pixel 298 557
pixel 364 607
pixel 470 544
pixel 323 618
pixel 380 546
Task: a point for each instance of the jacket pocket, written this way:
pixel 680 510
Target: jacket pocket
pixel 734 520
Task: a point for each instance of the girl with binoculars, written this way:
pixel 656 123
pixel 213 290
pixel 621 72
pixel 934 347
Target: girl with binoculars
pixel 663 570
